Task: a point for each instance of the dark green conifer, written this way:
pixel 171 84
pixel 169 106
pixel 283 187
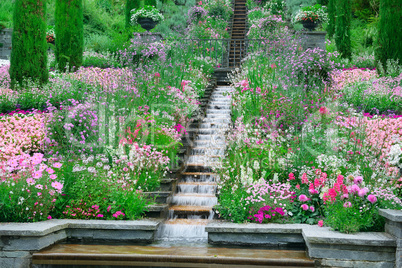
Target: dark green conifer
pixel 130 5
pixel 389 43
pixel 342 31
pixel 331 17
pixel 29 46
pixel 69 34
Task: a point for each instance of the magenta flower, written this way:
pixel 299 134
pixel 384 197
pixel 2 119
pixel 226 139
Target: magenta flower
pixel 320 223
pixel 372 198
pixel 324 110
pixel 49 217
pixel 347 204
pixel 304 207
pixel 312 208
pixel 303 198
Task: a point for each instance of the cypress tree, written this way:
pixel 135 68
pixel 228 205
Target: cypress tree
pixel 69 34
pixel 331 17
pixel 342 31
pixel 29 53
pixel 130 5
pixel 389 43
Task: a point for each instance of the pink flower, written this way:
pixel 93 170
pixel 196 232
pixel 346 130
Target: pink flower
pixel 312 208
pixel 49 217
pixel 304 207
pixel 358 180
pixel 273 66
pixel 39 193
pixel 57 165
pixel 30 181
pixel 50 170
pixel 157 75
pixel 37 175
pixel 303 198
pixel 324 110
pixel 320 223
pixel 354 188
pixel 347 204
pixel 108 208
pixel 99 216
pixel 372 198
pixel 53 176
pixel 362 192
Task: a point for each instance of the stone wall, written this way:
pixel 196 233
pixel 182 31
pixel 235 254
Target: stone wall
pixel 19 240
pixel 326 247
pixel 5 40
pixel 393 226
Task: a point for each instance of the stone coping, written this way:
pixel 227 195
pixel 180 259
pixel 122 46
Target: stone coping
pixel 311 233
pixel 51 226
pixel 227 227
pixel 324 235
pixel 391 214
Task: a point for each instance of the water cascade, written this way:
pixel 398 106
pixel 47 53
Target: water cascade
pixel 191 206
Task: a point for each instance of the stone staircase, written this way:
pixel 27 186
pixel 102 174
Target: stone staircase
pixel 237 44
pixel 191 206
pixel 163 194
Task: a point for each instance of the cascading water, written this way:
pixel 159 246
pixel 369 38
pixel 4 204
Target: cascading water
pixel 191 207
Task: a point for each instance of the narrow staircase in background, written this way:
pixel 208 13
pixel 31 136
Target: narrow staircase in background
pixel 191 206
pixel 237 44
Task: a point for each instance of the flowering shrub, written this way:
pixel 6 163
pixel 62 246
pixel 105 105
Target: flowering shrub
pixel 146 12
pixel 351 207
pixel 195 14
pixel 29 188
pixel 111 188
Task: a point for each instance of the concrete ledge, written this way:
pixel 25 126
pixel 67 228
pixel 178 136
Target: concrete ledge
pixel 268 235
pixel 328 248
pixel 19 240
pixel 393 226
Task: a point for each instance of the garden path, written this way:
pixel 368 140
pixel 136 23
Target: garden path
pixel 191 207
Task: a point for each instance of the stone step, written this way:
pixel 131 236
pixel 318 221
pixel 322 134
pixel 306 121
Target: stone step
pixel 78 255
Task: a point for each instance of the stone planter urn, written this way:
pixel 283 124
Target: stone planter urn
pixel 147 23
pixel 309 25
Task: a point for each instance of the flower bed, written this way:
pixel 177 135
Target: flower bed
pixel 301 150
pixel 115 132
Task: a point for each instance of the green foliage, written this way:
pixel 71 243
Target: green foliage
pixel 342 31
pixel 294 5
pixel 130 5
pixel 6 13
pixel 219 9
pixel 69 34
pixel 389 43
pixel 331 17
pixel 150 2
pixel 29 53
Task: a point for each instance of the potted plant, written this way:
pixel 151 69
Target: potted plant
pixel 148 17
pixel 311 16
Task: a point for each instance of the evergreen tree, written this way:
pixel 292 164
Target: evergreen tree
pixel 331 17
pixel 69 34
pixel 29 53
pixel 389 43
pixel 130 5
pixel 342 31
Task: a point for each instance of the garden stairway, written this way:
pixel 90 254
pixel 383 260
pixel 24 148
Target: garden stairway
pixel 237 44
pixel 191 206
